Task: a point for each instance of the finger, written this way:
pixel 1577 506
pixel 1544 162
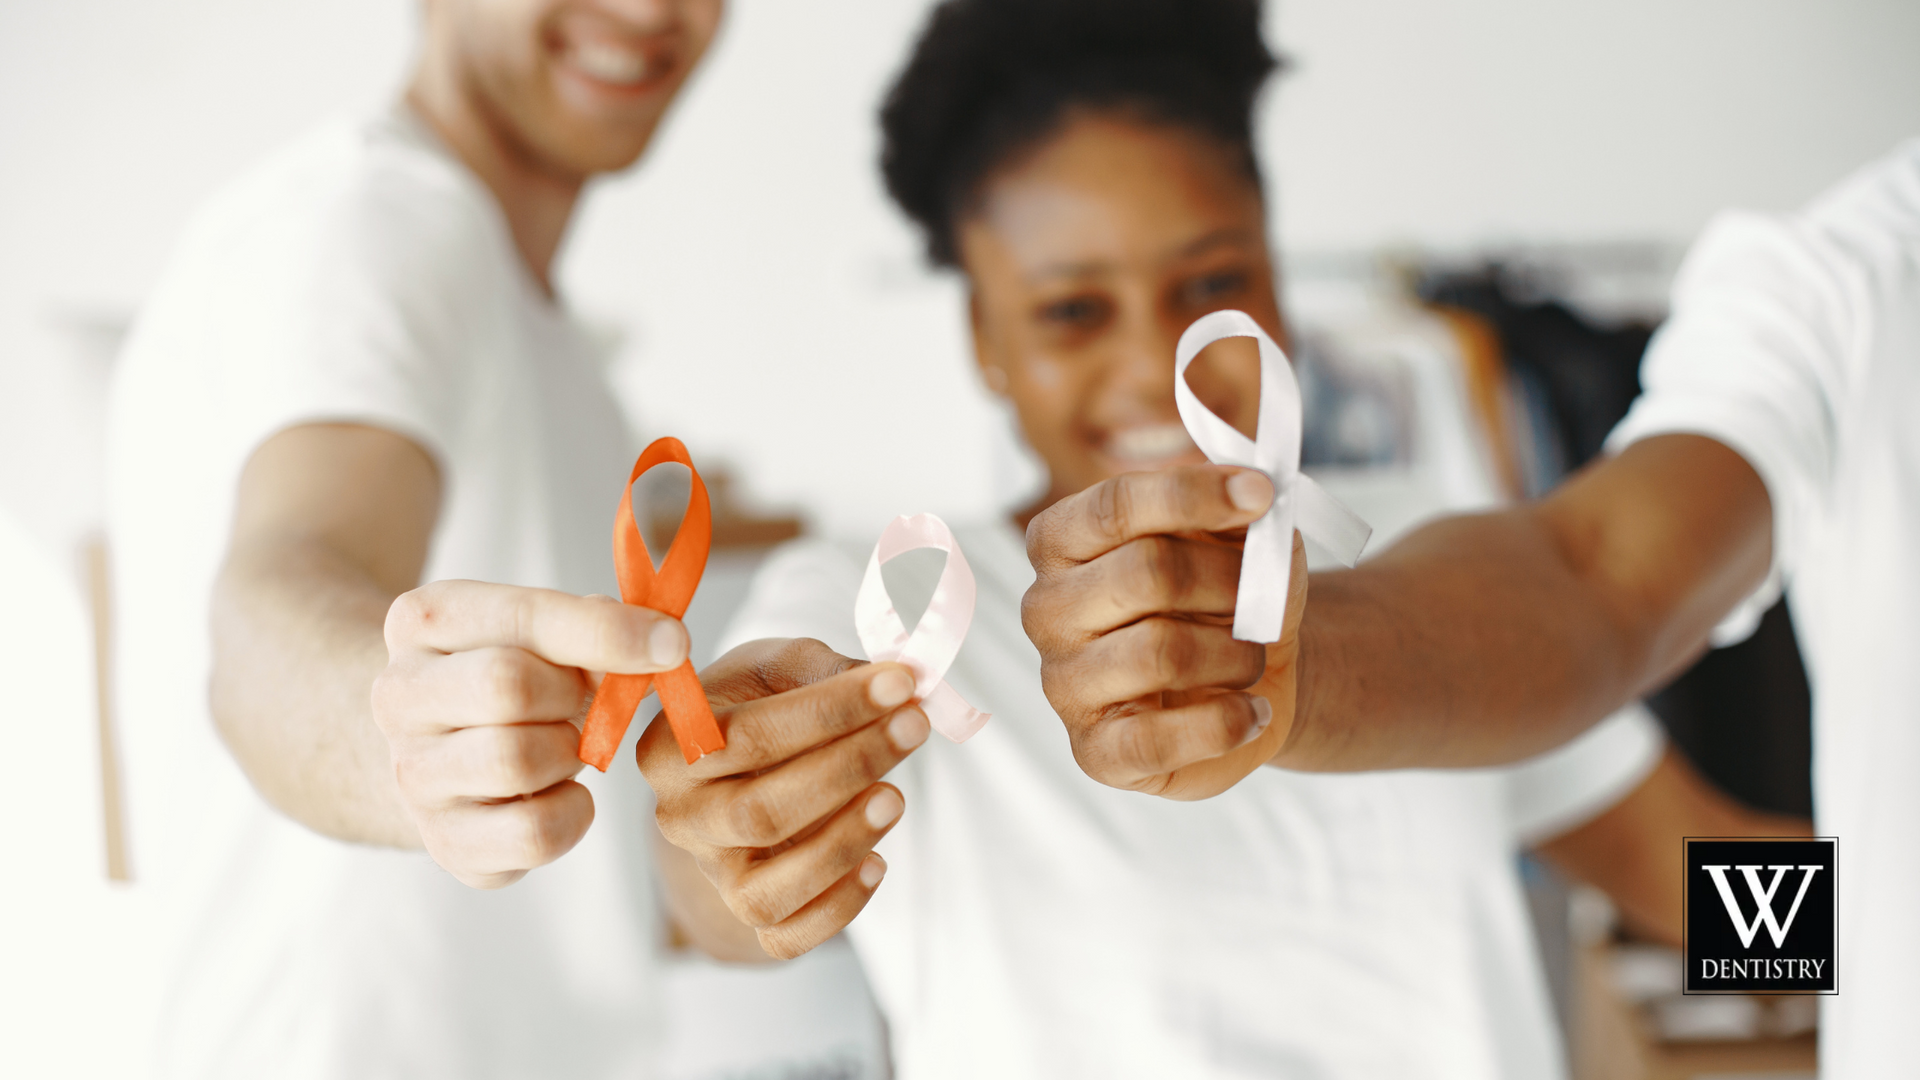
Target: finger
pixel 1136 751
pixel 1193 498
pixel 1153 575
pixel 488 845
pixel 764 732
pixel 1156 655
pixel 495 762
pixel 772 807
pixel 771 666
pixel 482 686
pixel 777 887
pixel 563 629
pixel 827 914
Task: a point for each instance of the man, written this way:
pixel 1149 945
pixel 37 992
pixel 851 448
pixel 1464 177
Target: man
pixel 354 377
pixel 1776 445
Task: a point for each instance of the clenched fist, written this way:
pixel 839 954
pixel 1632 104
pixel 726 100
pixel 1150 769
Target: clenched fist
pixel 1132 611
pixel 480 702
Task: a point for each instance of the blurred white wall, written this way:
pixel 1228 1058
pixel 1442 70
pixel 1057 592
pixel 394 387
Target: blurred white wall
pixel 1477 121
pixel 770 300
pixel 772 306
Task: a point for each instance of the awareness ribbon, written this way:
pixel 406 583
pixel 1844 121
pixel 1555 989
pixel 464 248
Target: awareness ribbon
pixel 669 591
pixel 1266 563
pixel 929 651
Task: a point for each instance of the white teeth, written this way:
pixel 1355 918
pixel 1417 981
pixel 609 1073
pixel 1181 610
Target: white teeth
pixel 1149 443
pixel 610 63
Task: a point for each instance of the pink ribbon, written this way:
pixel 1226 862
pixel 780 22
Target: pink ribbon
pixel 929 650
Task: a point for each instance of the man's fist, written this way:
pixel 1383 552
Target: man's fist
pixel 1132 611
pixel 480 701
pixel 783 820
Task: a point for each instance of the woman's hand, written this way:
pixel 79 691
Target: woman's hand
pixel 783 820
pixel 1132 611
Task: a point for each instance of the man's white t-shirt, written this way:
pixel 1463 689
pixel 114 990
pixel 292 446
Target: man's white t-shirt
pixel 1795 340
pixel 1035 923
pixel 363 275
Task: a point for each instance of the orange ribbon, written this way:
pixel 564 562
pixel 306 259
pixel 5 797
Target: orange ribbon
pixel 669 591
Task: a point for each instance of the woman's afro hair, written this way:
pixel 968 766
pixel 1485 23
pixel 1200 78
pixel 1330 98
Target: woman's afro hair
pixel 990 78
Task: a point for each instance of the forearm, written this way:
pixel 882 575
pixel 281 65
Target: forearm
pixel 297 644
pixel 1487 639
pixel 1469 643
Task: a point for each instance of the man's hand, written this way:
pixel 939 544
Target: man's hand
pixel 479 702
pixel 1132 612
pixel 783 820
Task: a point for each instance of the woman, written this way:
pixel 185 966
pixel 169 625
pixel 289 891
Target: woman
pixel 1088 165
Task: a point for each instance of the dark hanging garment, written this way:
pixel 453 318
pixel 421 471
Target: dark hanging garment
pixel 1742 714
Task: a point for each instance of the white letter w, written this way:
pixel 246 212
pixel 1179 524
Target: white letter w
pixel 1763 899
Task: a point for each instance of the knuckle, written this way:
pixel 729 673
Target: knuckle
pixel 1068 687
pixel 1112 507
pixel 753 819
pixel 780 943
pixel 1167 651
pixel 411 612
pixel 1099 756
pixel 870 759
pixel 1041 535
pixel 1140 746
pixel 1036 617
pixel 1160 573
pixel 507 675
pixel 681 829
pixel 754 905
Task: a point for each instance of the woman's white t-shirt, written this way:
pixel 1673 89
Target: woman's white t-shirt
pixel 1795 340
pixel 1034 923
pixel 363 275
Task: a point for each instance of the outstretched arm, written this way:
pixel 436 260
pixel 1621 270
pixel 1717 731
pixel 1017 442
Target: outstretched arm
pixel 331 523
pixel 1487 639
pixel 1476 640
pixel 372 711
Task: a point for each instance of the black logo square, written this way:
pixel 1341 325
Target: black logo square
pixel 1760 915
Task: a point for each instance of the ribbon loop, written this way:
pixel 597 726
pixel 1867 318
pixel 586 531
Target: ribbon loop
pixel 932 646
pixel 669 591
pixel 1266 562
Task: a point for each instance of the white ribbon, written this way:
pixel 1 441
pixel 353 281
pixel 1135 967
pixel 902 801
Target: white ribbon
pixel 1266 563
pixel 929 650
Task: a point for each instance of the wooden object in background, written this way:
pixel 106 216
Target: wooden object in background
pixel 93 554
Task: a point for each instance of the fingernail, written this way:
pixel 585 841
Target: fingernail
pixel 872 870
pixel 883 808
pixel 908 729
pixel 891 687
pixel 1250 491
pixel 1262 716
pixel 667 643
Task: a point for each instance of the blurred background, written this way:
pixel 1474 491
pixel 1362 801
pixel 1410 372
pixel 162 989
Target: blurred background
pixel 1525 173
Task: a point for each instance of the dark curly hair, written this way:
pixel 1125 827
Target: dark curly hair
pixel 990 78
